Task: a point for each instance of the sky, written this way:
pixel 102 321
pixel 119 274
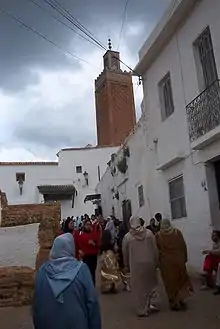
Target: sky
pixel 47 95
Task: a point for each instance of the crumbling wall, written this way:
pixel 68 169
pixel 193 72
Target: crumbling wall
pixel 23 214
pixel 16 282
pixel 16 286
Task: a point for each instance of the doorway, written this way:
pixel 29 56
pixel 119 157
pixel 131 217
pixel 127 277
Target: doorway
pixel 126 211
pixel 217 177
pixel 213 185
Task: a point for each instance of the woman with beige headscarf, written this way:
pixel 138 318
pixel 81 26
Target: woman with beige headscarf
pixel 173 258
pixel 141 260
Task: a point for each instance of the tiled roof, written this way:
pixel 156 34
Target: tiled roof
pixel 92 197
pixel 40 163
pixel 86 148
pixel 57 189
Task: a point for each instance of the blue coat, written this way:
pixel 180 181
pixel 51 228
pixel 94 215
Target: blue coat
pixel 79 309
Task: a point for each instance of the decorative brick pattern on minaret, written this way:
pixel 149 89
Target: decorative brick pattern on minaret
pixel 115 110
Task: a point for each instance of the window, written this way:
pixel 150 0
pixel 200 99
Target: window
pixel 141 195
pixel 99 174
pixel 166 97
pixel 20 177
pixel 177 198
pixel 205 59
pixel 79 169
pixel 113 211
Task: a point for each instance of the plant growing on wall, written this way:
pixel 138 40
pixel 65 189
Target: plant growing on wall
pixel 113 156
pixel 113 170
pixel 117 195
pixel 122 165
pixel 126 152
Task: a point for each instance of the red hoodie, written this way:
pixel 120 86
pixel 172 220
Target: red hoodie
pixel 82 243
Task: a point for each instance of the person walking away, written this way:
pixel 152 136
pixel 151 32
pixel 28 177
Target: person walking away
pixel 141 259
pixel 64 294
pixel 109 269
pixel 97 228
pixel 173 258
pixel 88 244
pixel 122 231
pixel 158 218
pixel 110 226
pixel 152 226
pixel 212 260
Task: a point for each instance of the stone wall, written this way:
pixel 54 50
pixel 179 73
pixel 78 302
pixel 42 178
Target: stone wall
pixel 16 282
pixel 16 286
pixel 47 215
pixel 23 214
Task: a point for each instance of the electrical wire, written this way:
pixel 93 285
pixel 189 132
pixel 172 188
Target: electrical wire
pixel 22 24
pixel 66 14
pixel 61 22
pixel 73 21
pixel 122 23
pixel 77 21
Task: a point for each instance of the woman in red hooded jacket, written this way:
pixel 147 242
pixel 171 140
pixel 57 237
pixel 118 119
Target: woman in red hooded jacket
pixel 88 245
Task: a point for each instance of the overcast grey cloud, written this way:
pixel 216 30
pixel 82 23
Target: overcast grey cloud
pixel 46 96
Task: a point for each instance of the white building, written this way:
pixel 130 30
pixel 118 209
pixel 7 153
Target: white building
pixel 180 67
pixel 70 180
pixel 122 189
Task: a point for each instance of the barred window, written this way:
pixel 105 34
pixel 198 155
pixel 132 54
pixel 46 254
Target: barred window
pixel 78 169
pixel 177 198
pixel 141 195
pixel 205 59
pixel 166 97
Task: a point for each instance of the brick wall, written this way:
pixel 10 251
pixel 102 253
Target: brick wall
pixel 47 215
pixel 3 199
pixel 22 214
pixel 16 285
pixel 115 109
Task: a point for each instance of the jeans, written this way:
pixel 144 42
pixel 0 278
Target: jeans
pixel 91 262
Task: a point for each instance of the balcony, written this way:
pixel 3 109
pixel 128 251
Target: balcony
pixel 203 115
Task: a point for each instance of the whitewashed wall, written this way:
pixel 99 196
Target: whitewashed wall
pixel 19 245
pixel 34 174
pixel 127 184
pixel 169 140
pixel 172 134
pixel 63 173
pixel 90 159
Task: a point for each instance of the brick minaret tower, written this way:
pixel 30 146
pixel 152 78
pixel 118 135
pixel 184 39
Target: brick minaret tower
pixel 115 110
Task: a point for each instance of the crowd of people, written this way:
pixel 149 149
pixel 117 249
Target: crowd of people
pixel 129 256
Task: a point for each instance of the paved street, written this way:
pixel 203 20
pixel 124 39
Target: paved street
pixel 117 313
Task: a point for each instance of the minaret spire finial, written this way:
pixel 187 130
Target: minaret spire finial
pixel 109 44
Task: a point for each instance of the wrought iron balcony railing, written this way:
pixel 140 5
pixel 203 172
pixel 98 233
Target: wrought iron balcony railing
pixel 203 113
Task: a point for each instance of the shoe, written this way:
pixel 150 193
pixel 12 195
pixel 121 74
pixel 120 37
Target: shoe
pixel 183 306
pixel 175 308
pixel 217 292
pixel 205 287
pixel 153 309
pixel 145 315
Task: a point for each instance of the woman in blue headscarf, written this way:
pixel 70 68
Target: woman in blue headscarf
pixel 64 295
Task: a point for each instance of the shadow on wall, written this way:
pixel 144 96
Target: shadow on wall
pixel 17 281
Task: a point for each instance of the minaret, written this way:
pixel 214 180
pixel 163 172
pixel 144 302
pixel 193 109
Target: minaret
pixel 115 110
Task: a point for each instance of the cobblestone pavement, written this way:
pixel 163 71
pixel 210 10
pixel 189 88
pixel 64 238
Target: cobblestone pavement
pixel 117 313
